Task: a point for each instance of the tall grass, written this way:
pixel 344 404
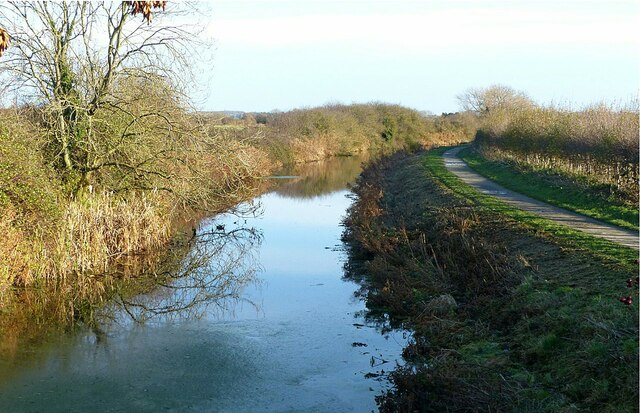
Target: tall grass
pixel 102 228
pixel 599 143
pixel 93 233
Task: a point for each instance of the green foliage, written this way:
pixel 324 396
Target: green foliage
pixel 27 184
pixel 482 351
pixel 390 128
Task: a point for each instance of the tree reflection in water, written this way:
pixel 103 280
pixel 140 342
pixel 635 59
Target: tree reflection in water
pixel 195 276
pixel 320 178
pixel 209 270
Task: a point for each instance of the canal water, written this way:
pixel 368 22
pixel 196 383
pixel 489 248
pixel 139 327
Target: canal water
pixel 264 322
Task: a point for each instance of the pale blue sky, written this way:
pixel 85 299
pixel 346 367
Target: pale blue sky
pixel 421 54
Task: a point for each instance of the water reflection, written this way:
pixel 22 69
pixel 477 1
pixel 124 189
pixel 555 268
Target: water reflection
pixel 216 268
pixel 210 271
pixel 318 178
pixel 199 275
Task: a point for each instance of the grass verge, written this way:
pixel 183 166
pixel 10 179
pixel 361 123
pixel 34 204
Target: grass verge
pixel 567 237
pixel 553 189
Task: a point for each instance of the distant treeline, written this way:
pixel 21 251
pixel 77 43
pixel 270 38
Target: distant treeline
pixel 304 135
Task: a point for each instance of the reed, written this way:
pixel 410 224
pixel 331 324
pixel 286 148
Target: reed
pixel 102 228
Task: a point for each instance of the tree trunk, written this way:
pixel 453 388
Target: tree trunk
pixel 64 140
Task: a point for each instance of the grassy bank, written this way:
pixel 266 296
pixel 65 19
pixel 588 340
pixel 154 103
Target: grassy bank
pixel 508 313
pixel 536 225
pixel 556 189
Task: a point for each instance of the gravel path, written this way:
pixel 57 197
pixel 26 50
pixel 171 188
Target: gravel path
pixel 589 225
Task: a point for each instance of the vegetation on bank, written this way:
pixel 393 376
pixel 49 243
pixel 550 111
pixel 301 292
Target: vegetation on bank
pixel 557 189
pixel 104 155
pixel 123 213
pixel 55 238
pixel 561 234
pixel 507 314
pixel 595 148
pixel 312 134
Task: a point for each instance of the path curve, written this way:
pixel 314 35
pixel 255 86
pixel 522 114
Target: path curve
pixel 576 221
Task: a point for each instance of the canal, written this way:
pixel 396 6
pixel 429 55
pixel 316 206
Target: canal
pixel 267 323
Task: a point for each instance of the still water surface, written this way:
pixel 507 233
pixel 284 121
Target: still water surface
pixel 286 345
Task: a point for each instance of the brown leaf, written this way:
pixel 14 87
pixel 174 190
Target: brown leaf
pixel 4 40
pixel 145 8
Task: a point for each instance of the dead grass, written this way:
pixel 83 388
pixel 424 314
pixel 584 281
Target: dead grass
pixel 102 228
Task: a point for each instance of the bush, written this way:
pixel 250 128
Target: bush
pixel 28 186
pixel 305 135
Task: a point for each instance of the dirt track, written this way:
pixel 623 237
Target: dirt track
pixel 576 221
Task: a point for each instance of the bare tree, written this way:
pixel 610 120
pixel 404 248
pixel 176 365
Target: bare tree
pixel 73 60
pixel 485 100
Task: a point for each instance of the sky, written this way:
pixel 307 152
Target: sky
pixel 280 55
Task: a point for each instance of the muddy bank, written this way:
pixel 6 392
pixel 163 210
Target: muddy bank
pixel 504 319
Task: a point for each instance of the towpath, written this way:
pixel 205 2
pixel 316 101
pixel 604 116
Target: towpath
pixel 576 221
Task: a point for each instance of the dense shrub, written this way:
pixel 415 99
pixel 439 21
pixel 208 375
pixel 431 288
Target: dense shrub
pixel 153 163
pixel 30 195
pixel 27 185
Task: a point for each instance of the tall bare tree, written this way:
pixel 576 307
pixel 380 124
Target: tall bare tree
pixel 74 60
pixel 485 100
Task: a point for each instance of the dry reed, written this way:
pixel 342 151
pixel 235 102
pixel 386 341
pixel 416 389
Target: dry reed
pixel 599 143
